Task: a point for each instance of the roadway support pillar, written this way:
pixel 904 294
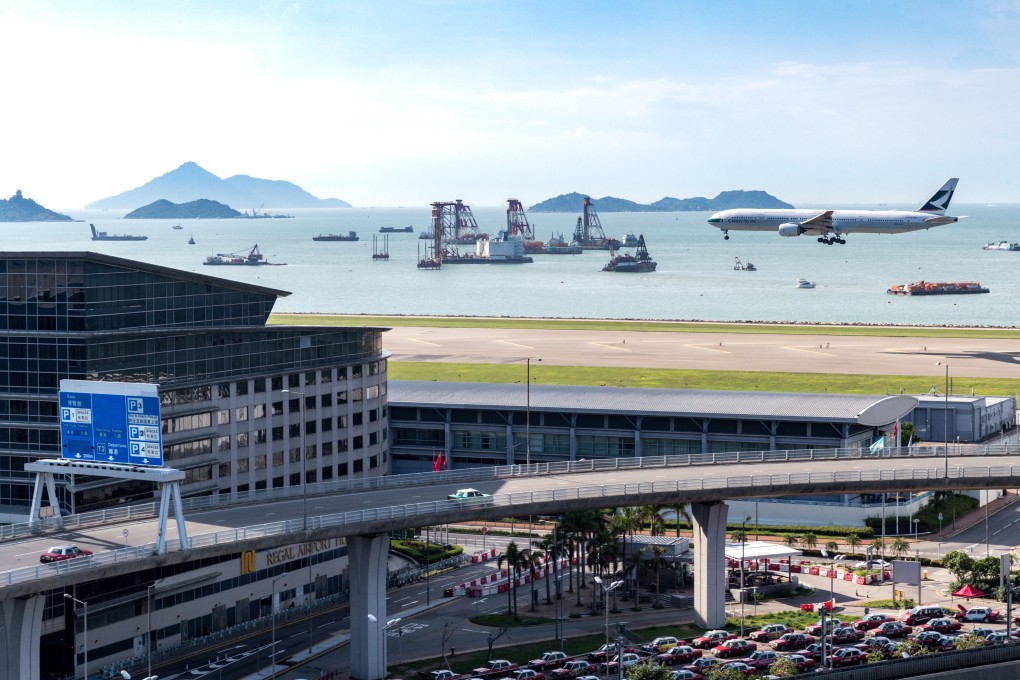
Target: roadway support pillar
pixel 20 632
pixel 367 557
pixel 44 480
pixel 709 520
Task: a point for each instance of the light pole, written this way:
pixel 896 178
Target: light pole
pixel 272 619
pixel 945 419
pixel 148 639
pixel 743 542
pixel 389 624
pixel 527 420
pixel 608 589
pixel 915 529
pixel 304 508
pixel 85 631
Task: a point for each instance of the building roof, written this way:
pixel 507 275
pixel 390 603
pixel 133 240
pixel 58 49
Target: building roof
pixel 144 267
pixel 753 551
pixel 850 408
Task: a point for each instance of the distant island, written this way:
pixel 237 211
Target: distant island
pixel 573 202
pixel 17 208
pixel 203 208
pixel 190 182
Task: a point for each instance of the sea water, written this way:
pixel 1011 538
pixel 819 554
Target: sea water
pixel 695 279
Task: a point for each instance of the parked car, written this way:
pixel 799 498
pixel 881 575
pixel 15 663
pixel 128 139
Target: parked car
pixel 607 650
pixel 803 663
pixel 661 644
pixel 935 640
pixel 872 643
pixel 574 668
pixel 629 659
pixel 762 659
pixel 445 675
pixel 813 651
pixel 525 674
pixel 893 629
pixel 831 623
pixel 740 667
pixel 770 632
pixel 792 641
pixel 845 635
pixel 549 660
pixel 943 625
pixel 497 668
pixel 847 656
pixel 996 638
pixel 979 614
pixel 919 615
pixel 872 621
pixel 678 655
pixel 702 665
pixel 732 648
pixel 712 638
pixel 686 675
pixel 59 553
pixel 873 564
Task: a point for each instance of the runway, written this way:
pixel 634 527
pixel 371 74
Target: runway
pixel 868 355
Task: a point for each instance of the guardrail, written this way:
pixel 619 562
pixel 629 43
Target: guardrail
pixel 775 484
pixel 199 503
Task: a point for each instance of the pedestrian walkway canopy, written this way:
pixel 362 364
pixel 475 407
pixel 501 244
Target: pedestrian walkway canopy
pixel 754 551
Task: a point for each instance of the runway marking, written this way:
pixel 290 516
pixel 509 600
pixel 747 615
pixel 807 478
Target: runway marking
pixel 710 349
pixel 515 344
pixel 811 351
pixel 609 346
pixel 426 342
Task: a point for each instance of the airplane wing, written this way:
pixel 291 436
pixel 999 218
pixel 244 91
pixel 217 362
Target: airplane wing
pixel 820 224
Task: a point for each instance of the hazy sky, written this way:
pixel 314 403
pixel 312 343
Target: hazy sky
pixel 392 103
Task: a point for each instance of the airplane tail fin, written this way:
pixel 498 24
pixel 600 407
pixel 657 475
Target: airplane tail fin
pixel 939 202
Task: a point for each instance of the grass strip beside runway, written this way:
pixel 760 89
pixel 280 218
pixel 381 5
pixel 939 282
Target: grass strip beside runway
pixel 643 326
pixel 752 381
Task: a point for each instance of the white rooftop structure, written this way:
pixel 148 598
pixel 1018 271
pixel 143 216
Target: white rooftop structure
pixel 753 551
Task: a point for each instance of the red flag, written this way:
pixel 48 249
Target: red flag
pixel 437 462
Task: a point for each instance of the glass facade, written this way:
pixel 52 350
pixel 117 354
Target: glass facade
pixel 221 371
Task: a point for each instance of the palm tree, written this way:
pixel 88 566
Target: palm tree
pixel 878 547
pixel 792 540
pixel 809 540
pixel 635 560
pixel 853 541
pixel 900 546
pixel 548 546
pixel 680 510
pixel 657 561
pixel 831 547
pixel 512 557
pixel 655 522
pixel 533 559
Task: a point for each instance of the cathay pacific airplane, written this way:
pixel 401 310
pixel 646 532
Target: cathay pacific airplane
pixel 831 225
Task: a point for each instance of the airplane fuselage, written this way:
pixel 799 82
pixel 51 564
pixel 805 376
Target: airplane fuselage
pixel 843 221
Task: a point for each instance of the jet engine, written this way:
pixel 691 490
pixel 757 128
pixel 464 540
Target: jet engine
pixel 790 229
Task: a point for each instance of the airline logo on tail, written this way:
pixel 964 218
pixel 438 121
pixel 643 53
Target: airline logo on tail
pixel 939 203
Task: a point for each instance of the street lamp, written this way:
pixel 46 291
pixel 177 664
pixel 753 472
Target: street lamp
pixel 148 639
pixel 304 507
pixel 743 542
pixel 389 624
pixel 608 589
pixel 85 631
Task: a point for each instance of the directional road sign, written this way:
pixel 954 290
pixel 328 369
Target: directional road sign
pixel 110 422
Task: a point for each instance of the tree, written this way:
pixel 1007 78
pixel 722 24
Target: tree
pixel 784 668
pixel 959 564
pixel 722 673
pixel 908 433
pixel 900 546
pixel 791 540
pixel 649 671
pixel 809 540
pixel 491 640
pixel 680 512
pixel 878 546
pixel 548 546
pixel 658 561
pixel 853 541
pixel 831 547
pixel 635 558
pixel 739 536
pixel 512 558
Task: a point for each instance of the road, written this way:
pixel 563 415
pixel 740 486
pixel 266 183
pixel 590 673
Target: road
pixel 884 355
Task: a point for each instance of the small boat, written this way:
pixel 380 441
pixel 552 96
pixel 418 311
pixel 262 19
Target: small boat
pixel 191 240
pixel 1001 245
pixel 804 283
pixel 103 236
pixel 351 236
pixel 177 226
pixel 396 230
pixel 744 266
pixel 639 262
pixel 557 245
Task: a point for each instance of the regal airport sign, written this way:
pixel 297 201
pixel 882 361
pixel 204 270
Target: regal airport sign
pixel 250 561
pixel 110 422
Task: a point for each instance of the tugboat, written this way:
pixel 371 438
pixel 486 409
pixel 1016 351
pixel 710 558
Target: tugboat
pixel 191 240
pixel 351 236
pixel 744 266
pixel 253 258
pixel 804 283
pixel 639 262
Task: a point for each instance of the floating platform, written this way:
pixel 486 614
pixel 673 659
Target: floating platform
pixel 937 288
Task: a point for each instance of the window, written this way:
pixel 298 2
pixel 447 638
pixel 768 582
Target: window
pixel 356 394
pixel 357 418
pixel 260 385
pixel 241 414
pixel 359 466
pixel 223 417
pixel 242 439
pixel 341 397
pixel 277 458
pixel 241 388
pixel 223 389
pixel 358 443
pixel 260 462
pixel 224 471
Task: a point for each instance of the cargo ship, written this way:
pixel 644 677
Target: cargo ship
pixel 637 263
pixel 351 236
pixel 396 230
pixel 253 258
pixel 937 288
pixel 103 236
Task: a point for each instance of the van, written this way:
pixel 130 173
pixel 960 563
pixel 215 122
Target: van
pixel 918 615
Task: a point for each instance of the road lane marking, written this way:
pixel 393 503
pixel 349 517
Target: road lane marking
pixel 426 342
pixel 515 344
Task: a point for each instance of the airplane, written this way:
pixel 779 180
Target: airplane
pixel 831 225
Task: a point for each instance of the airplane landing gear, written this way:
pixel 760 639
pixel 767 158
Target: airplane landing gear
pixel 726 235
pixel 832 240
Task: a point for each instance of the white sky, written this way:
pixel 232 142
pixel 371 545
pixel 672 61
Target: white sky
pixel 401 103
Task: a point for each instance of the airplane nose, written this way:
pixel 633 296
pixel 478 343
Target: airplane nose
pixel 714 220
